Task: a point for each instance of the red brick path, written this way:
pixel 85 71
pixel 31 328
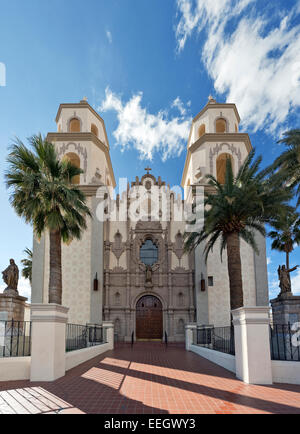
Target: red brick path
pixel 148 379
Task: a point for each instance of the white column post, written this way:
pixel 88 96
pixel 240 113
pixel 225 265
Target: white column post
pixel 109 328
pixel 48 337
pixel 189 335
pixel 252 345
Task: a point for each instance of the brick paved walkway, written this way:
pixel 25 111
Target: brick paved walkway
pixel 148 379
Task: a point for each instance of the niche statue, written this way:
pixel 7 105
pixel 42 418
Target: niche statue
pixel 148 275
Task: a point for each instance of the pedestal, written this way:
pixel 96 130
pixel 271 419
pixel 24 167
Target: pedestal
pixel 189 335
pixel 48 348
pixel 286 309
pixel 252 345
pixel 12 307
pixel 108 327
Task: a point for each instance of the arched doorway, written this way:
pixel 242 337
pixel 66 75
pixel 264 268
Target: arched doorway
pixel 149 318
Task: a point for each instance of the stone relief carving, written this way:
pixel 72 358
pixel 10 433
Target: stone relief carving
pixel 81 150
pixel 178 247
pixel 218 148
pixel 97 178
pixel 118 247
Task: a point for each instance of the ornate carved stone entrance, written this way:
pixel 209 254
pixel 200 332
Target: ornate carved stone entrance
pixel 149 318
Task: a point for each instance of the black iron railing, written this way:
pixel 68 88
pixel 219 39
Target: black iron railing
pixel 285 342
pixel 216 338
pixel 15 338
pixel 79 337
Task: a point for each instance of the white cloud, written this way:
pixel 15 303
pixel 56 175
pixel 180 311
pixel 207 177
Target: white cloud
pixel 177 103
pixel 148 133
pixel 256 65
pixel 24 288
pixel 109 36
pixel 269 260
pixel 295 280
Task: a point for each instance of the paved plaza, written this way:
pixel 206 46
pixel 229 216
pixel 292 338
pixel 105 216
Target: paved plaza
pixel 148 379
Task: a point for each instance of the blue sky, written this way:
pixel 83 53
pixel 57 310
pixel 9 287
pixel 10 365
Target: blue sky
pixel 155 63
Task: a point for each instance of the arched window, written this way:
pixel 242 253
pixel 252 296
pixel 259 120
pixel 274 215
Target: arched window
pixel 94 130
pixel 221 126
pixel 221 166
pixel 201 130
pixel 74 125
pixel 75 160
pixel 149 253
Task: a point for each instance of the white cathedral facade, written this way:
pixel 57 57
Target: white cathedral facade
pixel 129 266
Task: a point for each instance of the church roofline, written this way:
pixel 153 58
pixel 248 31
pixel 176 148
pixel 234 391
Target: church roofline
pixel 217 105
pixel 213 137
pixel 89 137
pixel 157 181
pixel 82 104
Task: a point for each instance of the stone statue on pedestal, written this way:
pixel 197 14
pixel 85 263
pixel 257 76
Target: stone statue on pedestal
pixel 285 280
pixel 11 278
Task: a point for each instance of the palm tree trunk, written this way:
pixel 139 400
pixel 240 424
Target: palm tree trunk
pixel 287 260
pixel 55 278
pixel 235 271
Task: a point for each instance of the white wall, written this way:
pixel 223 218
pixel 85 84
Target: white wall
pixel 227 361
pixel 75 358
pixel 15 368
pixel 286 372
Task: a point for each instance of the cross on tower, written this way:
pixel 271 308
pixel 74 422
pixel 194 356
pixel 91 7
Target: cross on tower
pixel 148 170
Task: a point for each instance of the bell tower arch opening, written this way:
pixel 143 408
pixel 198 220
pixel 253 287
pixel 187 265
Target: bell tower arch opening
pixel 75 160
pixel 221 166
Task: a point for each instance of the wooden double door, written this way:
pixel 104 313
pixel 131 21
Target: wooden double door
pixel 149 318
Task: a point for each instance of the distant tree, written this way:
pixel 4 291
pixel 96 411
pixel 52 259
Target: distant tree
pixel 287 165
pixel 27 262
pixel 45 197
pixel 286 234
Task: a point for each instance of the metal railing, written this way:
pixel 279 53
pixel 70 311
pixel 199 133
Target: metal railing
pixel 284 342
pixel 215 338
pixel 15 339
pixel 79 337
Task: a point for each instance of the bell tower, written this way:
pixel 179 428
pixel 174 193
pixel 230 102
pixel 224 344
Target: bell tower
pixel 214 137
pixel 81 137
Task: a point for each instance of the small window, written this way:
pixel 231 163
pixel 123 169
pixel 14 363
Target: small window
pixel 74 125
pixel 149 253
pixel 210 281
pixel 221 126
pixel 201 130
pixel 94 130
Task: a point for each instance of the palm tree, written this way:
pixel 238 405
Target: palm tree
pixel 45 197
pixel 238 209
pixel 27 262
pixel 288 163
pixel 286 234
